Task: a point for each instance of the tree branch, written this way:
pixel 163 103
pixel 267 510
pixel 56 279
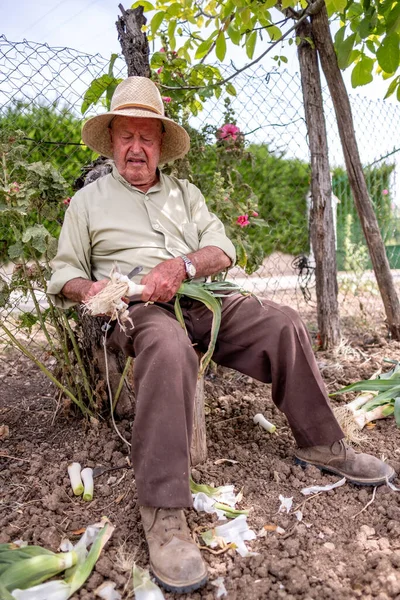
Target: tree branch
pixel 213 85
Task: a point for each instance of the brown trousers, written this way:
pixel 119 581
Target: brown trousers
pixel 268 342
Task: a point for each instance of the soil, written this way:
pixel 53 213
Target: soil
pixel 347 545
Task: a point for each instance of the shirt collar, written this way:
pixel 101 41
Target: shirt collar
pixel 155 188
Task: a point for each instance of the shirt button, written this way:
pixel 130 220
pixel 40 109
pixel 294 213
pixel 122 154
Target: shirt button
pixel 146 197
pixel 155 226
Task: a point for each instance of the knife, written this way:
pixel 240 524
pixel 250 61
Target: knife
pixel 134 272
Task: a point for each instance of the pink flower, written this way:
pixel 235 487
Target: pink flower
pixel 162 49
pixel 15 187
pixel 228 131
pixel 166 99
pixel 243 220
pixel 385 192
pixel 66 201
pixel 159 70
pixel 254 213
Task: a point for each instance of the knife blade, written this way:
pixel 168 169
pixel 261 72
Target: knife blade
pixel 134 272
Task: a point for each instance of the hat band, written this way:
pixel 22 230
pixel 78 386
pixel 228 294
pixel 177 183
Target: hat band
pixel 145 106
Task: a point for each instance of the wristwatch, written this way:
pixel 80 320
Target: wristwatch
pixel 189 267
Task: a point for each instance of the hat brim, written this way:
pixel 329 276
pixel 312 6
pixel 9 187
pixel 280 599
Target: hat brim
pixel 96 134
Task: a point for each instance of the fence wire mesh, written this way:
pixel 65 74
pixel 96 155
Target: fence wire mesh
pixel 49 83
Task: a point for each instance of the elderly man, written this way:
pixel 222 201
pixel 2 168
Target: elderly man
pixel 137 215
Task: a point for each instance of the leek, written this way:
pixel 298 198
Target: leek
pixel 74 472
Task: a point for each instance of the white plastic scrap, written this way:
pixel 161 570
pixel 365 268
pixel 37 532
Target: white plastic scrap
pixel 322 488
pixel 286 504
pixel 107 591
pixel 219 584
pixel 235 531
pixel 202 502
pixel 225 494
pixel 144 588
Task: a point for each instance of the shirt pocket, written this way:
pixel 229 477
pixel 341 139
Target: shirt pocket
pixel 191 236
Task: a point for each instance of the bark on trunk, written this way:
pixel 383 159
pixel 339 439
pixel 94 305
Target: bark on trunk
pixel 134 44
pixel 323 41
pixel 321 222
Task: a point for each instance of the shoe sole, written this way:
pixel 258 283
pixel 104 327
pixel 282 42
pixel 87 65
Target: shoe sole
pixel 360 482
pixel 184 589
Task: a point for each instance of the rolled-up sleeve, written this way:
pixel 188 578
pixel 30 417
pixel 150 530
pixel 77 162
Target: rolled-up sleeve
pixel 73 255
pixel 211 229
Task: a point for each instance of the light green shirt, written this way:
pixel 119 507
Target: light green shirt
pixel 110 221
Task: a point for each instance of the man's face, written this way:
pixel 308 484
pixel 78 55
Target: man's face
pixel 136 144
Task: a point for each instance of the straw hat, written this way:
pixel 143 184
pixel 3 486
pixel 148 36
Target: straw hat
pixel 136 97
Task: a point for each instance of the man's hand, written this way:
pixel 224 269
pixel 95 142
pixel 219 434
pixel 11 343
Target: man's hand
pixel 95 288
pixel 81 290
pixel 163 281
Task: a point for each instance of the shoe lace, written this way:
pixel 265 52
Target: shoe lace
pixel 172 527
pixel 171 523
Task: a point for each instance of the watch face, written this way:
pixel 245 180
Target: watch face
pixel 191 269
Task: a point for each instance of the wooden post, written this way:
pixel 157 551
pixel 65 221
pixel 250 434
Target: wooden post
pixel 321 226
pixel 323 41
pixel 198 448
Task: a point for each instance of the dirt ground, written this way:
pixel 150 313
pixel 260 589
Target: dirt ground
pixel 342 549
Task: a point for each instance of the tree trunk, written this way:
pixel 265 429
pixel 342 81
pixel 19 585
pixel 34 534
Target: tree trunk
pixel 323 40
pixel 134 44
pixel 321 225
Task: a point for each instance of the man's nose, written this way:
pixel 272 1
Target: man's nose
pixel 136 146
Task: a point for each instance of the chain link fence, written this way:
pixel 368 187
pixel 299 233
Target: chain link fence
pixel 269 111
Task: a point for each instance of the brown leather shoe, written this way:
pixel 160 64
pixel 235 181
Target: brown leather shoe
pixel 341 459
pixel 175 559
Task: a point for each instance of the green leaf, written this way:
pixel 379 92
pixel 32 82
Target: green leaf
pixel 15 251
pixel 339 5
pixel 111 65
pixel 392 87
pixel 95 91
pixel 274 33
pixel 231 89
pixel 362 72
pixel 364 28
pixel 393 20
pixel 388 53
pixel 344 51
pixel 36 236
pixel 355 10
pixel 397 411
pixel 171 34
pixel 245 15
pixel 146 5
pixel 220 46
pixel 339 37
pixel 287 3
pixel 251 44
pixel 203 48
pixel 234 34
pixel 156 21
pixel 228 8
pixel 174 10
